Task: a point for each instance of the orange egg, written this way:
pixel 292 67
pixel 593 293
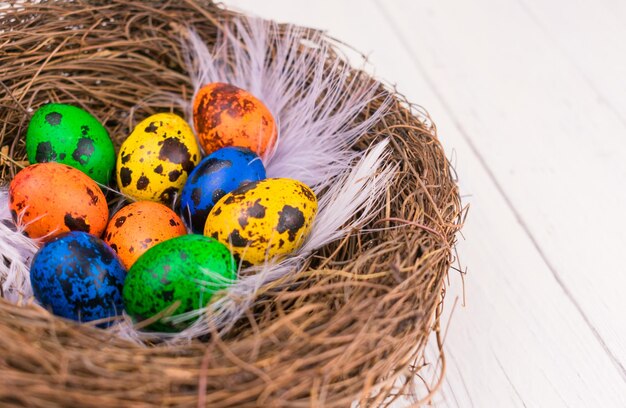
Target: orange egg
pixel 140 226
pixel 48 199
pixel 225 115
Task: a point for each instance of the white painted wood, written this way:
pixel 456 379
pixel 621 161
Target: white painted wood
pixel 552 142
pixel 595 49
pixel 590 34
pixel 520 116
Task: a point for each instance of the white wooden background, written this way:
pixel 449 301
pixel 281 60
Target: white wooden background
pixel 529 97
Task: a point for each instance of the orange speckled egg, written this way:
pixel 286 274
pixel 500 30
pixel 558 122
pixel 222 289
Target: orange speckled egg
pixel 139 226
pixel 225 115
pixel 48 199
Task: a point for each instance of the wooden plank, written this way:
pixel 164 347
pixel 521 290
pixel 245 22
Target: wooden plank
pixel 520 340
pixel 589 35
pixel 571 154
pixel 553 145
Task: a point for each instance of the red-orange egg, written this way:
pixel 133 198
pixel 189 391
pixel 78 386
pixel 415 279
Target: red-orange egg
pixel 139 226
pixel 225 115
pixel 48 199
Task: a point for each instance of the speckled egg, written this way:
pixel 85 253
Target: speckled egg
pixel 48 199
pixel 187 269
pixel 68 134
pixel 155 160
pixel 263 220
pixel 225 115
pixel 217 174
pixel 138 227
pixel 79 277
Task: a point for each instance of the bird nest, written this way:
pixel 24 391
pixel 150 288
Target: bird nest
pixel 351 324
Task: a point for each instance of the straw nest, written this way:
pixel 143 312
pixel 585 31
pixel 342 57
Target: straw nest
pixel 352 325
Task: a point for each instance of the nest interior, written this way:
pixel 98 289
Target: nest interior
pixel 348 327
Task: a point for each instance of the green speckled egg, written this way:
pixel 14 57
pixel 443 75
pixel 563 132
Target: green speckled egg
pixel 68 134
pixel 189 269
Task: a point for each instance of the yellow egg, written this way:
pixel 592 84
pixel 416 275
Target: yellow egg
pixel 263 220
pixel 155 160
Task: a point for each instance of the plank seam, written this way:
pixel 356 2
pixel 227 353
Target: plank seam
pixel 508 379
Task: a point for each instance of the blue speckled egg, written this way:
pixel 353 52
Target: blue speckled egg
pixel 218 174
pixel 79 277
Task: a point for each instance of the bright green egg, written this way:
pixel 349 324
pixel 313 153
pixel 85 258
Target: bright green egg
pixel 67 134
pixel 189 269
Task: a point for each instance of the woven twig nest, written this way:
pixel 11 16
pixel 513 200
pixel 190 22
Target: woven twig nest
pixel 351 325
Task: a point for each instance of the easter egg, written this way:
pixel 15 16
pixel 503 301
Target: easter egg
pixel 138 227
pixel 79 277
pixel 217 174
pixel 263 220
pixel 67 134
pixel 225 115
pixel 48 199
pixel 155 160
pixel 188 270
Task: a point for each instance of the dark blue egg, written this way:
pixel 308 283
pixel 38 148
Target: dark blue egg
pixel 79 277
pixel 217 174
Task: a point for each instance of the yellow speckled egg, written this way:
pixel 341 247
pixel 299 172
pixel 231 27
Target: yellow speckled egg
pixel 155 160
pixel 263 220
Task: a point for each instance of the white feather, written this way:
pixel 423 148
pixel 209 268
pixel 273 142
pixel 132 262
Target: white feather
pixel 304 91
pixel 16 252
